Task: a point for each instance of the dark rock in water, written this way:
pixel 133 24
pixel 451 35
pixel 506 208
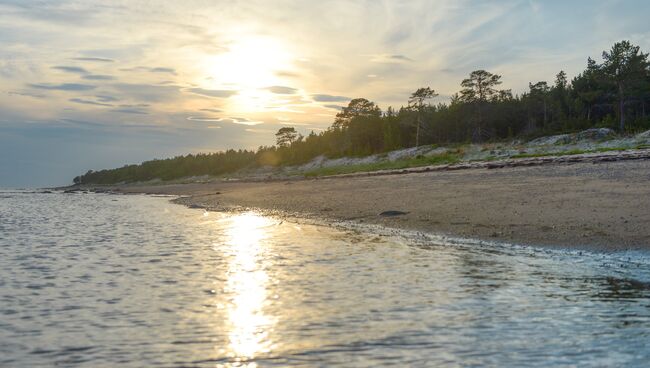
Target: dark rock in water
pixel 46 192
pixel 392 213
pixel 195 206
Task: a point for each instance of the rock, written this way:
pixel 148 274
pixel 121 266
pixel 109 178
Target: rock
pixel 392 213
pixel 551 140
pixel 594 134
pixel 644 135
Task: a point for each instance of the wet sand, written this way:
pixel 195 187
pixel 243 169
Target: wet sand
pixel 598 206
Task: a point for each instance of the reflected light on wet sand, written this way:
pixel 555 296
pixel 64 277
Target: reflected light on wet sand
pixel 247 285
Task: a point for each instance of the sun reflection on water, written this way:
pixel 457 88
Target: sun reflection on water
pixel 247 283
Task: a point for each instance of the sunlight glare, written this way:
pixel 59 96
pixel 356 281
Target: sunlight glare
pixel 247 281
pixel 251 63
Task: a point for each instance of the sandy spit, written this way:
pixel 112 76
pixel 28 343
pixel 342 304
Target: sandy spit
pixel 601 206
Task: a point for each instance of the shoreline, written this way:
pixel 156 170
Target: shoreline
pixel 602 206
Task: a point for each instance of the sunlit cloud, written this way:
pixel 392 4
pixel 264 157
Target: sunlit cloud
pixel 212 110
pixel 218 93
pixel 287 74
pixel 205 119
pixel 281 90
pixel 229 120
pixel 244 121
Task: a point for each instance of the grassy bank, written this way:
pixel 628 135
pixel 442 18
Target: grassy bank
pixel 444 158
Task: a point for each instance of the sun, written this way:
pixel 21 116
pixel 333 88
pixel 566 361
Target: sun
pixel 250 66
pixel 251 63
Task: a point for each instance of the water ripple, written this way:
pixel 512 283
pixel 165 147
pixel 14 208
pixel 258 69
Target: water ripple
pixel 98 280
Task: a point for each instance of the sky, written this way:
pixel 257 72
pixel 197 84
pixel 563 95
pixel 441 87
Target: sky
pixel 99 84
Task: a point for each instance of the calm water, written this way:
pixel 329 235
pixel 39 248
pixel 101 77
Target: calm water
pixel 134 281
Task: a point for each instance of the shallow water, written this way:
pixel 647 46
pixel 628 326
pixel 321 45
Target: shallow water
pixel 98 280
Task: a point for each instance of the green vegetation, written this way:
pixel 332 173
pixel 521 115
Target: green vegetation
pixel 445 158
pixel 562 153
pixel 570 152
pixel 613 94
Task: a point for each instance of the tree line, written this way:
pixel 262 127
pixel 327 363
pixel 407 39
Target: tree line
pixel 614 93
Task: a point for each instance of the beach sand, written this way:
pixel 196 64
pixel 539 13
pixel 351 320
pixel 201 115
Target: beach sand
pixel 598 206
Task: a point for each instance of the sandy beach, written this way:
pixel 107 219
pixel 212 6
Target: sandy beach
pixel 599 206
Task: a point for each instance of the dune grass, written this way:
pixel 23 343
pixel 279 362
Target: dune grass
pixel 444 158
pixel 570 152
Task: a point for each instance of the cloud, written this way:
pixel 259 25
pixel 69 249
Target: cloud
pixel 288 74
pixel 98 77
pixel 163 70
pixel 130 111
pixel 106 98
pixel 329 98
pixel 70 69
pixel 335 107
pixel 212 110
pixel 151 70
pixel 389 59
pixel 281 90
pixel 205 119
pixel 219 93
pixel 230 120
pixel 63 86
pixel 27 94
pixel 95 59
pixel 89 102
pixel 260 131
pixel 135 105
pixel 147 92
pixel 244 121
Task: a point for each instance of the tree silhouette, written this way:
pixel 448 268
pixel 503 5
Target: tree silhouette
pixel 478 89
pixel 358 107
pixel 285 136
pixel 625 67
pixel 612 93
pixel 417 102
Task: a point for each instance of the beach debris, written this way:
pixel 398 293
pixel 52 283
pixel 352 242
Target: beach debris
pixel 392 213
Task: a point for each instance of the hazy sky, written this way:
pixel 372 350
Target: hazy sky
pixel 98 84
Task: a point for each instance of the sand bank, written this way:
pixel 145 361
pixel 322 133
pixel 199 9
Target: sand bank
pixel 602 205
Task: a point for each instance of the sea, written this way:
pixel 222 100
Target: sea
pixel 101 280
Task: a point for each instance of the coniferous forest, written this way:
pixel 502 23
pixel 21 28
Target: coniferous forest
pixel 612 92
